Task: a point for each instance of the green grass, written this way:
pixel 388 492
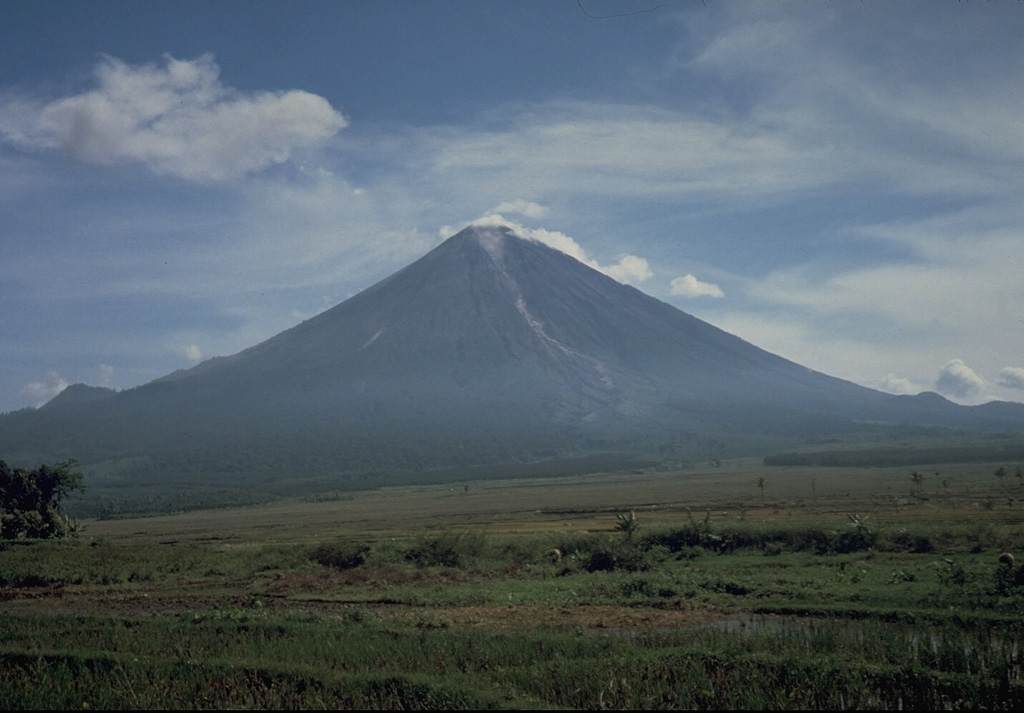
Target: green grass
pixel 836 592
pixel 100 562
pixel 286 660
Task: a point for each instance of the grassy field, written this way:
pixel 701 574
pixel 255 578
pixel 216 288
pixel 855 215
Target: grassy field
pixel 742 585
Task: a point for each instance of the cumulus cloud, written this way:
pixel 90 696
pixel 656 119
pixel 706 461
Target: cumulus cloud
pixel 176 119
pixel 193 353
pixel 897 385
pixel 959 380
pixel 1012 377
pixel 628 269
pixel 690 286
pixel 42 391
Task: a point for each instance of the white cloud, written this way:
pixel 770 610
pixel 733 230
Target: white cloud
pixel 178 119
pixel 956 282
pixel 900 113
pixel 629 268
pixel 528 209
pixel 898 385
pixel 959 380
pixel 42 391
pixel 1011 377
pixel 690 286
pixel 193 353
pixel 573 148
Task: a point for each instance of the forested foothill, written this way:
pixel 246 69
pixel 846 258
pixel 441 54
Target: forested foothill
pixel 951 450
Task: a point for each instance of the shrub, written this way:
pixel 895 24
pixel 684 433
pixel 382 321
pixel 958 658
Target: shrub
pixel 1008 577
pixel 903 541
pixel 340 555
pixel 31 499
pixel 594 553
pixel 679 539
pixel 954 575
pixel 609 557
pixel 446 549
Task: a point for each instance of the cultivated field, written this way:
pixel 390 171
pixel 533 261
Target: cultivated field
pixel 739 585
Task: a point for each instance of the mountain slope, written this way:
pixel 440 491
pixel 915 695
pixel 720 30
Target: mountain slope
pixel 489 348
pixel 489 308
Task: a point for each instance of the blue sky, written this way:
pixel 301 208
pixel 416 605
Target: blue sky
pixel 839 183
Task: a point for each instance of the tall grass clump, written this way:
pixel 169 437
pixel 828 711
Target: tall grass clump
pixel 447 548
pixel 340 555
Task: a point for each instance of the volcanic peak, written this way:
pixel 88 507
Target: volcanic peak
pixel 492 239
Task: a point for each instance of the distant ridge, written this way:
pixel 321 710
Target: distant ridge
pixel 78 394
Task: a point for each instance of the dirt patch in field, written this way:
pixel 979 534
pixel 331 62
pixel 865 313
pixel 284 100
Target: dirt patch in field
pixel 331 580
pixel 521 617
pixel 125 601
pixel 299 594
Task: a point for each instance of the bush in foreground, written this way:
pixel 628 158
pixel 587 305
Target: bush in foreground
pixel 31 500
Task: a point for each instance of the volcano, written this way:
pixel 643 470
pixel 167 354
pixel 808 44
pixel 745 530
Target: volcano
pixel 491 348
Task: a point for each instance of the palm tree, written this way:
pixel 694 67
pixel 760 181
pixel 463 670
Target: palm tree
pixel 627 524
